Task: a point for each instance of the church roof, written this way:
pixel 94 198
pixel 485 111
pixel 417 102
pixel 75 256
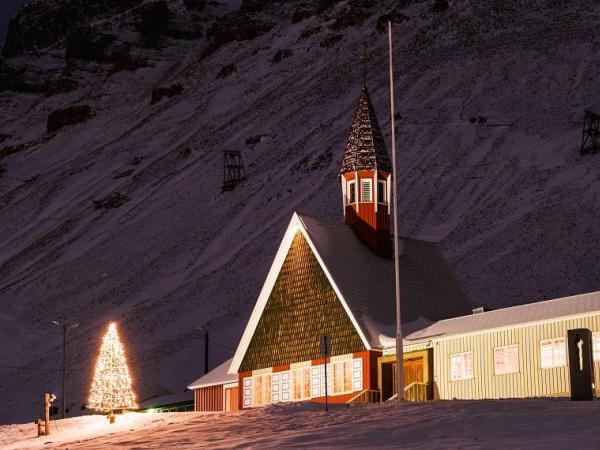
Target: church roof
pixel 429 290
pixel 365 149
pixel 364 282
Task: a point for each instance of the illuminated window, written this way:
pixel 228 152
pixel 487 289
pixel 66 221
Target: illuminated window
pixel 461 366
pixel 553 353
pixel 342 376
pixel 352 191
pixel 366 191
pixel 506 360
pixel 261 390
pixel 596 346
pixel 301 383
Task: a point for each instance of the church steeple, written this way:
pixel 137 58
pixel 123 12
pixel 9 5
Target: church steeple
pixel 366 178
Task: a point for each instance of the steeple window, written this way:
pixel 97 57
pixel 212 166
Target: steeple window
pixel 366 190
pixel 381 192
pixel 352 191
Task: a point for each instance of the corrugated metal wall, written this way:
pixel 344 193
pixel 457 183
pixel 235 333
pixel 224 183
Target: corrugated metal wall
pixel 209 398
pixel 530 381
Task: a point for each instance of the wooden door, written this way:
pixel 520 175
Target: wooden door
pixel 413 370
pixel 231 399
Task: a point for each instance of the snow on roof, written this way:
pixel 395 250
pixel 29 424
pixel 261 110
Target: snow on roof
pixel 511 317
pixel 216 376
pixel 429 288
pixel 366 148
pixel 364 281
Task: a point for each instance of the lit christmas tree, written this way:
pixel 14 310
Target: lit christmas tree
pixel 111 388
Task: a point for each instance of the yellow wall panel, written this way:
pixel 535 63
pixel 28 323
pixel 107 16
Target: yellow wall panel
pixel 530 381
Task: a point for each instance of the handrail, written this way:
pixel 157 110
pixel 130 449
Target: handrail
pixel 357 396
pixel 392 398
pixel 420 395
pixel 372 396
pixel 416 391
pixel 419 383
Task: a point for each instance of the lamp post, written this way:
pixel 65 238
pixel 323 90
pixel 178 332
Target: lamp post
pixel 204 332
pixel 64 328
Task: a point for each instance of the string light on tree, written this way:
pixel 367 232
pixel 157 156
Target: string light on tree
pixel 111 388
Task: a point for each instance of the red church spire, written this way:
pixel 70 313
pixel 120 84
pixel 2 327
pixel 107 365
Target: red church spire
pixel 366 179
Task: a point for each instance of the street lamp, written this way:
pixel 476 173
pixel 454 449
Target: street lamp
pixel 64 328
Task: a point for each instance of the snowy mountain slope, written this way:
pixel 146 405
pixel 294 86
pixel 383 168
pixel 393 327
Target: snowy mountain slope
pixel 511 199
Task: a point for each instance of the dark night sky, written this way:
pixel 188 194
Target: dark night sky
pixel 7 9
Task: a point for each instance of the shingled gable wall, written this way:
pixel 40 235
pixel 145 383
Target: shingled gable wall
pixel 301 307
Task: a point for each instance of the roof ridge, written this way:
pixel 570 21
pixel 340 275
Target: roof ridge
pixel 524 305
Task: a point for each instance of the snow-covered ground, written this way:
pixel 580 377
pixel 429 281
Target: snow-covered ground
pixel 513 202
pixel 539 423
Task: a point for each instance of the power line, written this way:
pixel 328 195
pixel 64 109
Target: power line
pixel 222 345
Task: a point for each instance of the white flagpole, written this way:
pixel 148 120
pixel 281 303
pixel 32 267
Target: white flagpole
pixel 399 345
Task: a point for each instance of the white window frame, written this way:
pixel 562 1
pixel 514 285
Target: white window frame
pixel 596 346
pixel 501 355
pixel 366 185
pixel 247 392
pixel 465 375
pixel 555 343
pixel 351 184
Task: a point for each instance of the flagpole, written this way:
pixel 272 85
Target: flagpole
pixel 399 345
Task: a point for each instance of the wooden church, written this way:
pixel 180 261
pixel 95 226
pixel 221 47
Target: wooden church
pixel 337 279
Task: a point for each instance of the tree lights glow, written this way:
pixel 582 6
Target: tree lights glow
pixel 111 388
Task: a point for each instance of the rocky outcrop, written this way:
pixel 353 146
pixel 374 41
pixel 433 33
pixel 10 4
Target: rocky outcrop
pixel 31 82
pixel 46 23
pixel 68 116
pixel 88 45
pixel 153 22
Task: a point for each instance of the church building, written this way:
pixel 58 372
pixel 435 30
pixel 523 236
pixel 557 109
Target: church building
pixel 337 279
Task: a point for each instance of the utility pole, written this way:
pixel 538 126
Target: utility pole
pixel 204 330
pixel 399 343
pixel 64 328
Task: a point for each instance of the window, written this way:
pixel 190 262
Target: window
pixel 366 191
pixel 506 360
pixel 596 346
pixel 381 192
pixel 301 383
pixel 553 353
pixel 261 392
pixel 461 366
pixel 342 376
pixel 280 387
pixel 352 191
